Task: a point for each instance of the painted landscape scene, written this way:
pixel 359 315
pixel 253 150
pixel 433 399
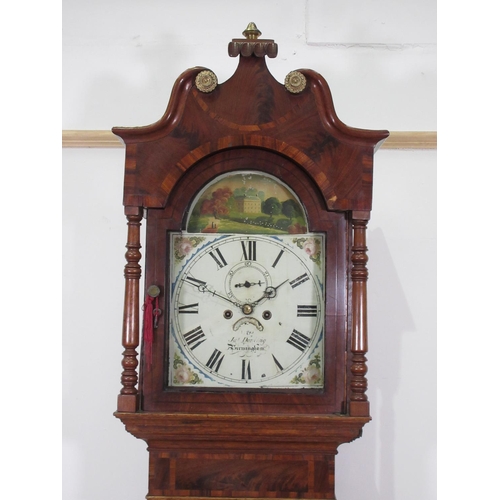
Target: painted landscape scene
pixel 247 202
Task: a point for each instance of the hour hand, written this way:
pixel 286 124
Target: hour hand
pixel 269 293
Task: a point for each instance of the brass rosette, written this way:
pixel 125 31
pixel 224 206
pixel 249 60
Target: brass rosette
pixel 295 82
pixel 206 81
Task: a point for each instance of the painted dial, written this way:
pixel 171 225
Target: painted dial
pixel 246 311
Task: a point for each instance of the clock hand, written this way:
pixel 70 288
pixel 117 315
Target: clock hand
pixel 269 293
pixel 247 284
pixel 213 292
pixel 203 287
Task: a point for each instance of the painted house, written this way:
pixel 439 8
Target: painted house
pixel 248 204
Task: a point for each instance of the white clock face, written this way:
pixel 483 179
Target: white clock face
pixel 246 311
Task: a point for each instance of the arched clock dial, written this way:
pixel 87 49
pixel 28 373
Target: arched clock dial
pixel 247 311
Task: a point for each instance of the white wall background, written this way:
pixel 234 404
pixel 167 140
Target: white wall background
pixel 120 60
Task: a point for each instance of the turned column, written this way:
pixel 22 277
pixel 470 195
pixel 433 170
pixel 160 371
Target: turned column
pixel 128 397
pixel 358 401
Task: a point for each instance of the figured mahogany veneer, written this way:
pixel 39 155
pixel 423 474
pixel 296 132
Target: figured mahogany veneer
pixel 242 456
pixel 248 444
pixel 154 395
pixel 260 114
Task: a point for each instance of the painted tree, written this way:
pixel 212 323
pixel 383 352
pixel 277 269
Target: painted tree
pixel 217 204
pixel 271 207
pixel 291 208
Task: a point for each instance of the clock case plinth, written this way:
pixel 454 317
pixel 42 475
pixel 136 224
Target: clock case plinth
pixel 244 444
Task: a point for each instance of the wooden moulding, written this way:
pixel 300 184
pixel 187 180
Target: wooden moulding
pixel 204 456
pixel 106 139
pixel 314 433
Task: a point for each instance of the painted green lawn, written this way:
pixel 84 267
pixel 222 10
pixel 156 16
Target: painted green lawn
pixel 197 224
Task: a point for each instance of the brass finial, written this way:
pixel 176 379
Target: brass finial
pixel 252 32
pixel 251 46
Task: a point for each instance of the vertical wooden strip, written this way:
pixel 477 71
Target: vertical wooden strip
pixel 358 401
pixel 172 475
pixel 331 474
pixel 311 483
pixel 128 398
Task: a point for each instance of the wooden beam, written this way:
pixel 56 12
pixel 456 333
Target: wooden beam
pixel 411 140
pixel 90 139
pixel 106 139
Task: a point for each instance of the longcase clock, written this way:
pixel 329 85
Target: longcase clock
pixel 253 329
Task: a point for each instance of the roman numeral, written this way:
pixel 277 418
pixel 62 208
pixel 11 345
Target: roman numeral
pixel 299 340
pixel 195 282
pixel 278 258
pixel 219 259
pixel 298 281
pixel 189 309
pixel 215 360
pixel 308 311
pixel 246 374
pixel 277 363
pixel 195 337
pixel 249 250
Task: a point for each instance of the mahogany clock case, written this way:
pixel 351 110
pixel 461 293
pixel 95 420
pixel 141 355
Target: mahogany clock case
pixel 281 442
pixel 251 122
pixel 154 393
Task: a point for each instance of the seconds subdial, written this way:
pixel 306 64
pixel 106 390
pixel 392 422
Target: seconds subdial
pixel 246 282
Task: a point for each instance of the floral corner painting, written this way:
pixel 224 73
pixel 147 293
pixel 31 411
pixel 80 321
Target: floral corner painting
pixel 248 203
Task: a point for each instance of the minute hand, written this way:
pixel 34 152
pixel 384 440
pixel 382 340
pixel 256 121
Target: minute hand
pixel 213 292
pixel 204 288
